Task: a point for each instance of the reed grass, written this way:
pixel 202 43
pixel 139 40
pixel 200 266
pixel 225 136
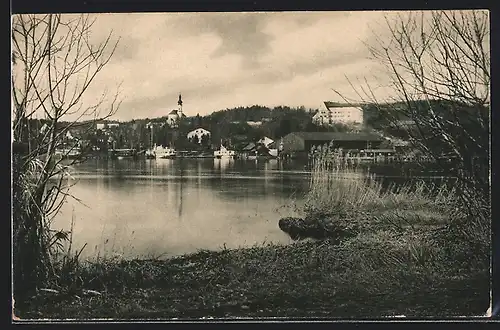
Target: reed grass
pixel 42 255
pixel 417 225
pixel 342 190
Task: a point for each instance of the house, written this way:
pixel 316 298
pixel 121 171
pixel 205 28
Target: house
pixel 174 117
pixel 341 113
pixel 199 133
pixel 265 141
pixel 44 128
pixel 301 143
pixel 270 146
pixel 248 150
pixel 253 151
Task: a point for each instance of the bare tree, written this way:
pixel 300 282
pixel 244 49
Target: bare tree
pixel 439 68
pixel 54 63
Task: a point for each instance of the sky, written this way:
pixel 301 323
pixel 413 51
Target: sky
pixel 225 60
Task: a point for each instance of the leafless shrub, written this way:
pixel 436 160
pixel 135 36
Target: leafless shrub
pixel 54 63
pixel 439 68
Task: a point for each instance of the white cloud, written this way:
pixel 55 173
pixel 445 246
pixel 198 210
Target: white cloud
pixel 302 56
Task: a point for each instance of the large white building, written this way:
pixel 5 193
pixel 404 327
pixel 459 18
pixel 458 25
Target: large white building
pixel 338 113
pixel 199 133
pixel 105 125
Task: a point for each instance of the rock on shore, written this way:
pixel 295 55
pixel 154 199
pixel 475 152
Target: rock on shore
pixel 298 229
pixel 316 226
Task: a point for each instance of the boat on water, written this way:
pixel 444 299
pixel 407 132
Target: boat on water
pixel 223 152
pixel 68 153
pixel 149 154
pixel 123 154
pixel 161 152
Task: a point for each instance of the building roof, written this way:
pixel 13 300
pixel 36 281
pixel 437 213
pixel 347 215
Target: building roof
pixel 199 129
pixel 272 145
pixel 176 112
pixel 265 140
pixel 337 136
pixel 330 104
pixel 254 123
pixel 249 146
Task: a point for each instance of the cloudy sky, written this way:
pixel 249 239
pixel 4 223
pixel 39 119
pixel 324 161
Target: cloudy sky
pixel 224 60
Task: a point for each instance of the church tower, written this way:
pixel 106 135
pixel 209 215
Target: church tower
pixel 180 105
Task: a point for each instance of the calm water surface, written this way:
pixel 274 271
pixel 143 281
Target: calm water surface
pixel 170 207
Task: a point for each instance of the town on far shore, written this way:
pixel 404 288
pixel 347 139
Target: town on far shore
pixel 356 132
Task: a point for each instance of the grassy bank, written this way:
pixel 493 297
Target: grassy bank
pixel 398 251
pixel 309 278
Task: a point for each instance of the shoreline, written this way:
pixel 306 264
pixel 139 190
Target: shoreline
pixel 302 279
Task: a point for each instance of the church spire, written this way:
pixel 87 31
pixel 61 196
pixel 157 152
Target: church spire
pixel 180 104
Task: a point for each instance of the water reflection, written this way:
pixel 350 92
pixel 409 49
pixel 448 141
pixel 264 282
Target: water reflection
pixel 223 164
pixel 179 206
pixel 176 206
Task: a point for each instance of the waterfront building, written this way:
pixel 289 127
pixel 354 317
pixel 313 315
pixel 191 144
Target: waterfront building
pixel 301 143
pixel 340 113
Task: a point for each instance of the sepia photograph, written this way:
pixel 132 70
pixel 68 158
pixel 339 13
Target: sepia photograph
pixel 282 165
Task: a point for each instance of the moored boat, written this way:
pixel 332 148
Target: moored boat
pixel 161 152
pixel 69 153
pixel 223 152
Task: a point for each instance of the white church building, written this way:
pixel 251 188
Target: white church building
pixel 175 116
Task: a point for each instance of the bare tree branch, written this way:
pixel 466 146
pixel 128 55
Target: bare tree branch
pixel 55 62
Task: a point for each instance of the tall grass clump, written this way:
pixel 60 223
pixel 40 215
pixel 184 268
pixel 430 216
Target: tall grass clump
pixel 339 191
pixel 42 255
pixel 405 233
pixel 450 118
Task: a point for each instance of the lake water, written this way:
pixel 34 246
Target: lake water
pixel 154 208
